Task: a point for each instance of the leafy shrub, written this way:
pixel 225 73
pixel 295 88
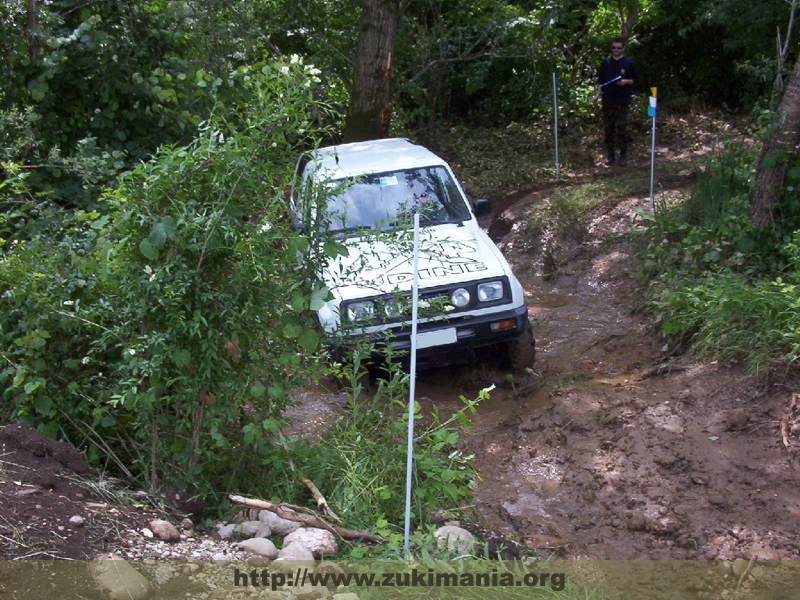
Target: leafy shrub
pixel 361 461
pixel 716 283
pixel 163 335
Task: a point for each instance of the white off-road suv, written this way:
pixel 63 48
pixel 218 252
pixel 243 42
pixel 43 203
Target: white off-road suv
pixel 364 195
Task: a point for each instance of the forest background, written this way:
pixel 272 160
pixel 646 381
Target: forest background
pixel 152 312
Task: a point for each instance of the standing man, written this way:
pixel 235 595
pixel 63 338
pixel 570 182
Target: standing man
pixel 616 76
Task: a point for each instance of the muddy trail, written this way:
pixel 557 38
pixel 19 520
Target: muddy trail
pixel 611 448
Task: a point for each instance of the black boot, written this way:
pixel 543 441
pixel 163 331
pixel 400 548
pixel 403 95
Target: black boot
pixel 623 158
pixel 610 156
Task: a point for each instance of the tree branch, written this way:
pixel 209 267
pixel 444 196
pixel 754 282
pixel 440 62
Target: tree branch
pixel 307 517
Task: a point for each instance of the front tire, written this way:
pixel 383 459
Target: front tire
pixel 519 354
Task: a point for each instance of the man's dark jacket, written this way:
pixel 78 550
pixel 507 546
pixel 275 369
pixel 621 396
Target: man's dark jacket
pixel 609 69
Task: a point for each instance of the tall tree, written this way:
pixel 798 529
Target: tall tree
pixel 777 153
pixel 370 111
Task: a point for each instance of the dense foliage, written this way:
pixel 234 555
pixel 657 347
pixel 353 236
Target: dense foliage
pixel 165 333
pixel 718 285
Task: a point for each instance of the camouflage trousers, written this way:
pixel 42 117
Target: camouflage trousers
pixel 615 126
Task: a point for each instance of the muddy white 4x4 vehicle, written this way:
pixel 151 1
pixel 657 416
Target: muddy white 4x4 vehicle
pixel 364 195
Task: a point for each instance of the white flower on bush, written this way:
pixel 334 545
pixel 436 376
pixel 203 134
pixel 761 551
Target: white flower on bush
pixel 131 351
pixel 295 59
pixel 266 226
pixel 285 70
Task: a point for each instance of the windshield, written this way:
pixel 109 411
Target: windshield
pixel 388 200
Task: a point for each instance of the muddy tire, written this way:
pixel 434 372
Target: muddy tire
pixel 519 354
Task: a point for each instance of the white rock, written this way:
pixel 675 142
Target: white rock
pixel 253 529
pixel 310 592
pixel 295 552
pixel 455 539
pixel 163 573
pixel 278 525
pixel 261 546
pixel 77 521
pixel 120 579
pixel 147 533
pixel 761 553
pixel 320 541
pixel 164 530
pixel 226 531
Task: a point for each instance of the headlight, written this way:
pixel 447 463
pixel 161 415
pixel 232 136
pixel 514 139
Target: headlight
pixel 393 308
pixel 360 311
pixel 493 290
pixel 460 298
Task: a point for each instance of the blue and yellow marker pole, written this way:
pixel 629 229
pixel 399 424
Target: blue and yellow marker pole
pixel 651 111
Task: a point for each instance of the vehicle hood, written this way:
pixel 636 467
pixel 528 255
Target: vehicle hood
pixel 379 265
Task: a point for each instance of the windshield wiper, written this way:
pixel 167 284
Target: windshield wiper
pixel 351 231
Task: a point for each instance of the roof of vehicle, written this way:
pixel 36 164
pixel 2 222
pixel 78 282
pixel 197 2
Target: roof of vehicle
pixel 374 156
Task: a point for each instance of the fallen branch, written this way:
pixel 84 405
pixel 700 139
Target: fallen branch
pixel 307 517
pixel 322 504
pixel 785 434
pixel 746 572
pixel 788 423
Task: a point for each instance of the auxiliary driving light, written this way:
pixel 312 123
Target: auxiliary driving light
pixel 460 298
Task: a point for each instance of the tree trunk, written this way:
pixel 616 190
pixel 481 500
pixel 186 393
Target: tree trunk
pixel 776 154
pixel 370 110
pixel 33 34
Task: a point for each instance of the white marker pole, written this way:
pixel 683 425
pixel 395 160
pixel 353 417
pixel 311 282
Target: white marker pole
pixel 412 386
pixel 651 110
pixel 555 117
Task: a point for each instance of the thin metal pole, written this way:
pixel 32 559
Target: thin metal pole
pixel 555 118
pixel 652 152
pixel 412 387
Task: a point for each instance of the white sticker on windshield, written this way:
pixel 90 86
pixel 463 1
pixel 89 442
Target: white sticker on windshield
pixel 388 180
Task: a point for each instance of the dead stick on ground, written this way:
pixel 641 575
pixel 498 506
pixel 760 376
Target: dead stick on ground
pixel 322 504
pixel 746 572
pixel 310 518
pixel 785 434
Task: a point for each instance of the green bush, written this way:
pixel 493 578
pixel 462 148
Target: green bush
pixel 717 284
pixel 163 335
pixel 361 461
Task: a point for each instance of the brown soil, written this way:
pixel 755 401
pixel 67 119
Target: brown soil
pixel 616 449
pixel 45 483
pixel 611 449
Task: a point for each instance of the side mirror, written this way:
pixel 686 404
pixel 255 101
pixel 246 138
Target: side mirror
pixel 482 207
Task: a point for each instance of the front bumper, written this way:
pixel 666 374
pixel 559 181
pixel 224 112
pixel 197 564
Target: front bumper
pixel 461 334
